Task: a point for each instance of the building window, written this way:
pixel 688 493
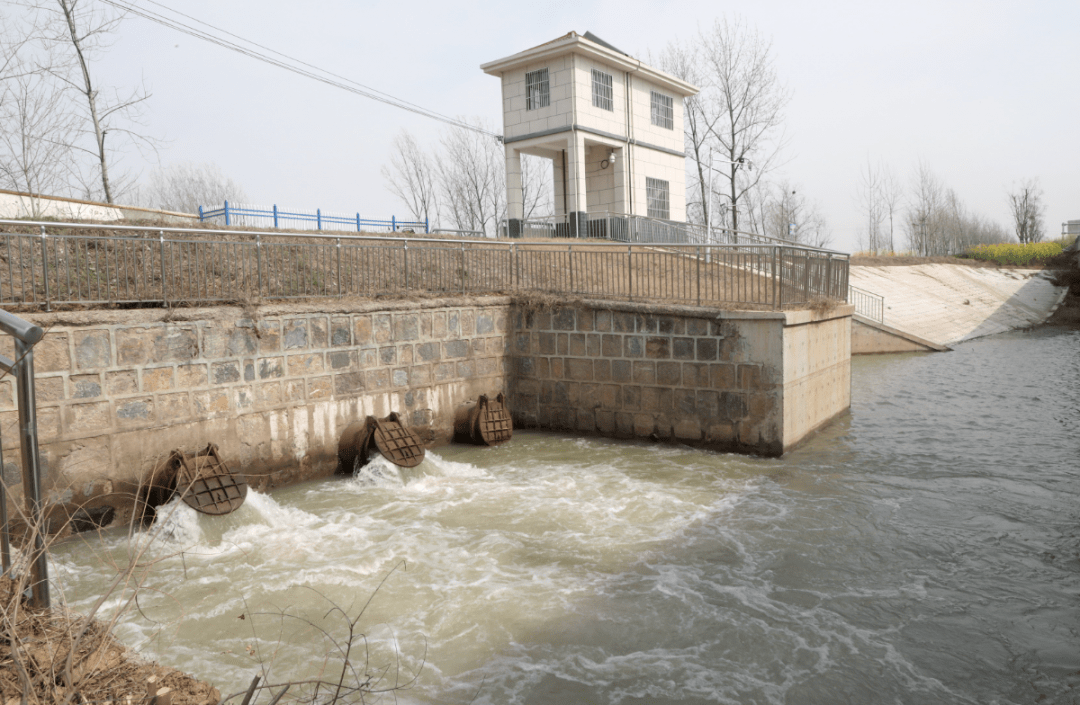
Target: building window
pixel 537 94
pixel 663 114
pixel 656 198
pixel 601 90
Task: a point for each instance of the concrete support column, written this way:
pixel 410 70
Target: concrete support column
pixel 575 185
pixel 515 208
pixel 622 181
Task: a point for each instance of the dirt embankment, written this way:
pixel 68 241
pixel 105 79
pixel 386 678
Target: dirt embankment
pixel 54 657
pixel 1067 273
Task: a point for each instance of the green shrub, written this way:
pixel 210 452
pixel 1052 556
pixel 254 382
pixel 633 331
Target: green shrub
pixel 1037 253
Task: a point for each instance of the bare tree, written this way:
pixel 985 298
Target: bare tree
pixel 472 180
pixel 790 216
pixel 699 117
pixel 464 181
pixel 77 32
pixel 878 196
pixel 1027 208
pixel 537 190
pixel 412 177
pixel 185 186
pixel 869 198
pixel 741 88
pixel 35 140
pixel 925 215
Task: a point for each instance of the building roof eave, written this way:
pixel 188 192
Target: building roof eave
pixel 574 43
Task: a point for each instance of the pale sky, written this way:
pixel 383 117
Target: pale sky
pixel 985 93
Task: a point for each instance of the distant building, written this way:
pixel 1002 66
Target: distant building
pixel 611 125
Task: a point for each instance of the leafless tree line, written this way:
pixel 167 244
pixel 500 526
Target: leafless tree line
pixel 61 132
pixel 460 183
pixel 931 217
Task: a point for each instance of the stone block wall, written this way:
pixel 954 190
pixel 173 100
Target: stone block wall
pixel 273 386
pixel 709 378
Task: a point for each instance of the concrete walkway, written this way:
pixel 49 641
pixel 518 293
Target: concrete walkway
pixel 950 303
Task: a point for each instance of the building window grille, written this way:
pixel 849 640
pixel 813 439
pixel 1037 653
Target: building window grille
pixel 663 114
pixel 537 94
pixel 656 197
pixel 602 97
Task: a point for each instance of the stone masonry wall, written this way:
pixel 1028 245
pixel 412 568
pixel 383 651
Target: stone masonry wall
pixel 273 386
pixel 647 372
pixel 708 378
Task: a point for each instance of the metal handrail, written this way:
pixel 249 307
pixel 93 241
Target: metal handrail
pixel 867 303
pixel 26 335
pixel 137 263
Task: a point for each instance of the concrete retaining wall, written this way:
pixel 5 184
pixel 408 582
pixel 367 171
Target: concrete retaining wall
pixel 275 386
pixel 730 380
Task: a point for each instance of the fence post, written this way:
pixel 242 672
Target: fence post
pixel 630 270
pixel 514 277
pixel 339 266
pixel 828 277
pixel 5 542
pixel 393 223
pixel 779 255
pixel 275 217
pixel 570 256
pixel 699 275
pixel 45 267
pixel 227 213
pixel 31 462
pixel 164 284
pixel 258 264
pixel 462 267
pixel 427 226
pixel 357 222
pixel 318 218
pixel 200 214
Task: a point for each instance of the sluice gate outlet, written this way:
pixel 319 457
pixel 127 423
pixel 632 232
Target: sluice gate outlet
pixel 400 445
pixel 203 479
pixel 206 482
pixel 483 422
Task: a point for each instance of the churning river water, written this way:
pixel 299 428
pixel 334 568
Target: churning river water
pixel 923 549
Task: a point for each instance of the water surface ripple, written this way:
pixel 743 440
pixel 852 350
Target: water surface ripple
pixel 925 548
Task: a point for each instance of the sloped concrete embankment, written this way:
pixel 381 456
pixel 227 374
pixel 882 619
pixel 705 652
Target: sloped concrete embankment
pixel 934 306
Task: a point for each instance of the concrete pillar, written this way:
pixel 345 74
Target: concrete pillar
pixel 515 208
pixel 575 185
pixel 622 182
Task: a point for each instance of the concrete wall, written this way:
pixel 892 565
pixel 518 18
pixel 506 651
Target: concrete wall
pixel 273 387
pixel 14 204
pixel 872 338
pixel 746 381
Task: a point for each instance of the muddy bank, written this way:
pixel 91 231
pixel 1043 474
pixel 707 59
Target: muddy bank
pixel 55 657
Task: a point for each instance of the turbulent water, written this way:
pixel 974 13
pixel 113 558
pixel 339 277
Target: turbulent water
pixel 925 548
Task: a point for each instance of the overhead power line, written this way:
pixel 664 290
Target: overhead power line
pixel 285 61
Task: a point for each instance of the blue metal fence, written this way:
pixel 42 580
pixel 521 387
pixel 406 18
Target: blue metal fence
pixel 275 217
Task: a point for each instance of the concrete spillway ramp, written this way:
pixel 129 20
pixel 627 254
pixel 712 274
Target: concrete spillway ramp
pixel 934 306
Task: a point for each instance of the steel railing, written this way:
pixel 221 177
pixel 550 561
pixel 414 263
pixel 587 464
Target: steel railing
pixel 252 216
pixel 80 263
pixel 867 303
pixel 26 335
pixel 639 229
